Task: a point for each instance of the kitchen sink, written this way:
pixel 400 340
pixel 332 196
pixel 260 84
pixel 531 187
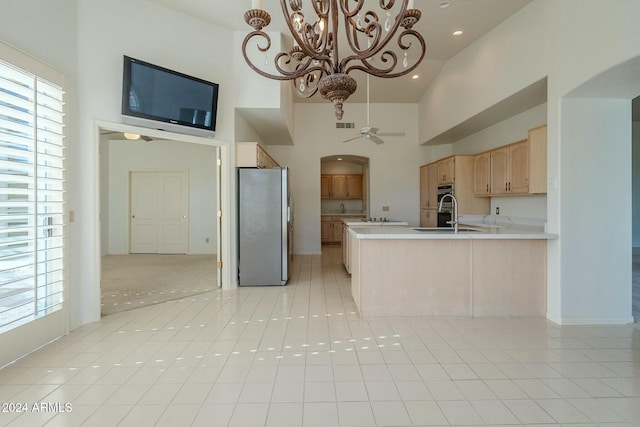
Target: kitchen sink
pixel 447 230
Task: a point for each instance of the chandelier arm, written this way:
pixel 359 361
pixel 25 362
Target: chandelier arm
pixel 285 75
pixel 376 47
pixel 307 48
pixel 386 72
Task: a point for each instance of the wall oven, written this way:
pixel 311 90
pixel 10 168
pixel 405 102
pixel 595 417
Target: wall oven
pixel 446 213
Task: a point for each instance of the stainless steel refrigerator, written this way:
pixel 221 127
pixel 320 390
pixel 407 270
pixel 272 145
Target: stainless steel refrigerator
pixel 265 226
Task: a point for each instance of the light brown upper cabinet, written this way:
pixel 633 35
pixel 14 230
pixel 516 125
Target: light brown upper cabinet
pixel 510 169
pixel 341 186
pixel 325 186
pixel 446 170
pixel 482 174
pixel 514 169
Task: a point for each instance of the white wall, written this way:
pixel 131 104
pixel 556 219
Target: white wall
pixel 394 165
pixel 198 160
pixel 105 32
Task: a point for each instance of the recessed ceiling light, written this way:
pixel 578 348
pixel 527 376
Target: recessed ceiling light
pixel 458 33
pixel 444 4
pixel 132 136
pixel 415 77
pixel 339 158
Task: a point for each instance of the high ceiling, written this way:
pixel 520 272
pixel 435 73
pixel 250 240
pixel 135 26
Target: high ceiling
pixel 474 17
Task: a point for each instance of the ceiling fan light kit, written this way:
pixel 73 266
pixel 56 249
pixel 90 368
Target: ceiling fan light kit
pixel 375 40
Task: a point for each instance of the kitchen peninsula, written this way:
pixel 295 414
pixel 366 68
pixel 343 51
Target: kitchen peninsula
pixel 478 272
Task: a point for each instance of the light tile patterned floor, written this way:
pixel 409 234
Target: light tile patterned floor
pixel 300 356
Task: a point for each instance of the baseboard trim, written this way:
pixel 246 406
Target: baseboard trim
pixel 590 321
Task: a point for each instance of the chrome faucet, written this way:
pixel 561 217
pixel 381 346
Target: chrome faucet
pixel 342 209
pixel 454 219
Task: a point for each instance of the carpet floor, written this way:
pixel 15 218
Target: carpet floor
pixel 137 280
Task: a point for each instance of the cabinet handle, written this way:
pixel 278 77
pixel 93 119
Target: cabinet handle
pixel 509 186
pixel 505 187
pixel 487 188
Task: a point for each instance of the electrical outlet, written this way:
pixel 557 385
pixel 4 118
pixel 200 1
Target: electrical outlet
pixel 72 216
pixel 497 210
pixel 206 240
pixel 385 209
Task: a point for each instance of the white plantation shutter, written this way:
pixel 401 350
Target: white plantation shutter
pixel 32 231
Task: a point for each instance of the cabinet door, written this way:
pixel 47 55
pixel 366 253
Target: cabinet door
pixel 446 169
pixel 336 231
pixel 325 231
pixel 354 186
pixel 325 186
pixel 432 201
pixel 428 218
pixel 518 168
pixel 481 168
pixel 424 187
pixel 538 160
pixel 499 170
pixel 338 187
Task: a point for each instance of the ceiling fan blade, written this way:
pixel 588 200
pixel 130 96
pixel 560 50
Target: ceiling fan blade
pixel 352 139
pixel 375 139
pixel 391 134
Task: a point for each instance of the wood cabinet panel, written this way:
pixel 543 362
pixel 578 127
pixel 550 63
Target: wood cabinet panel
pixel 252 155
pixel 341 187
pixel 432 197
pixel 515 169
pixel 325 186
pixel 482 173
pixel 354 186
pixel 499 171
pixel 446 170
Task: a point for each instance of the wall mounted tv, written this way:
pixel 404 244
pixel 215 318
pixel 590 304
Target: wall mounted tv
pixel 158 98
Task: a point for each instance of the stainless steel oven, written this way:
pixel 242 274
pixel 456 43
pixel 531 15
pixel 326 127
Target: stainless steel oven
pixel 448 203
pixel 444 218
pixel 446 213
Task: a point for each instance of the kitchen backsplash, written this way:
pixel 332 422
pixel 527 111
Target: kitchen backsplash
pixel 350 206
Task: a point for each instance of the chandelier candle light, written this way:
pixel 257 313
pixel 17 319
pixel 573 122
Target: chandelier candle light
pixel 314 64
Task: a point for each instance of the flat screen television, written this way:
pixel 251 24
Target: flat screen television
pixel 159 98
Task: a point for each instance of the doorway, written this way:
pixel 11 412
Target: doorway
pixel 635 200
pixel 160 228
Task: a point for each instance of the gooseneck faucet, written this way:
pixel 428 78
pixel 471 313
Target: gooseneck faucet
pixel 342 209
pixel 454 219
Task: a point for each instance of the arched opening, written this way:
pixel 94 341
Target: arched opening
pixel 344 194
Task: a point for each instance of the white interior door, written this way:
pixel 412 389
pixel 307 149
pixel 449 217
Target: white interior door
pixel 173 232
pixel 144 212
pixel 159 212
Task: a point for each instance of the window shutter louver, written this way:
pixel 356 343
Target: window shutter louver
pixel 32 197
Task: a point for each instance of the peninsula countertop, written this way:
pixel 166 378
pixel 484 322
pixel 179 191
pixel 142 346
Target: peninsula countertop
pixel 514 231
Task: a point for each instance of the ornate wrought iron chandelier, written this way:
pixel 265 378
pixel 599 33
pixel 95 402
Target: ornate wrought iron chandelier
pixel 314 62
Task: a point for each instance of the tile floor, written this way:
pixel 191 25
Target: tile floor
pixel 299 356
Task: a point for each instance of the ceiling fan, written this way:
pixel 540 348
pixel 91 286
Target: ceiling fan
pixel 370 132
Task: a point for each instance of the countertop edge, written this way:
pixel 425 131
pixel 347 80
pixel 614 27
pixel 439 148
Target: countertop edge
pixel 363 232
